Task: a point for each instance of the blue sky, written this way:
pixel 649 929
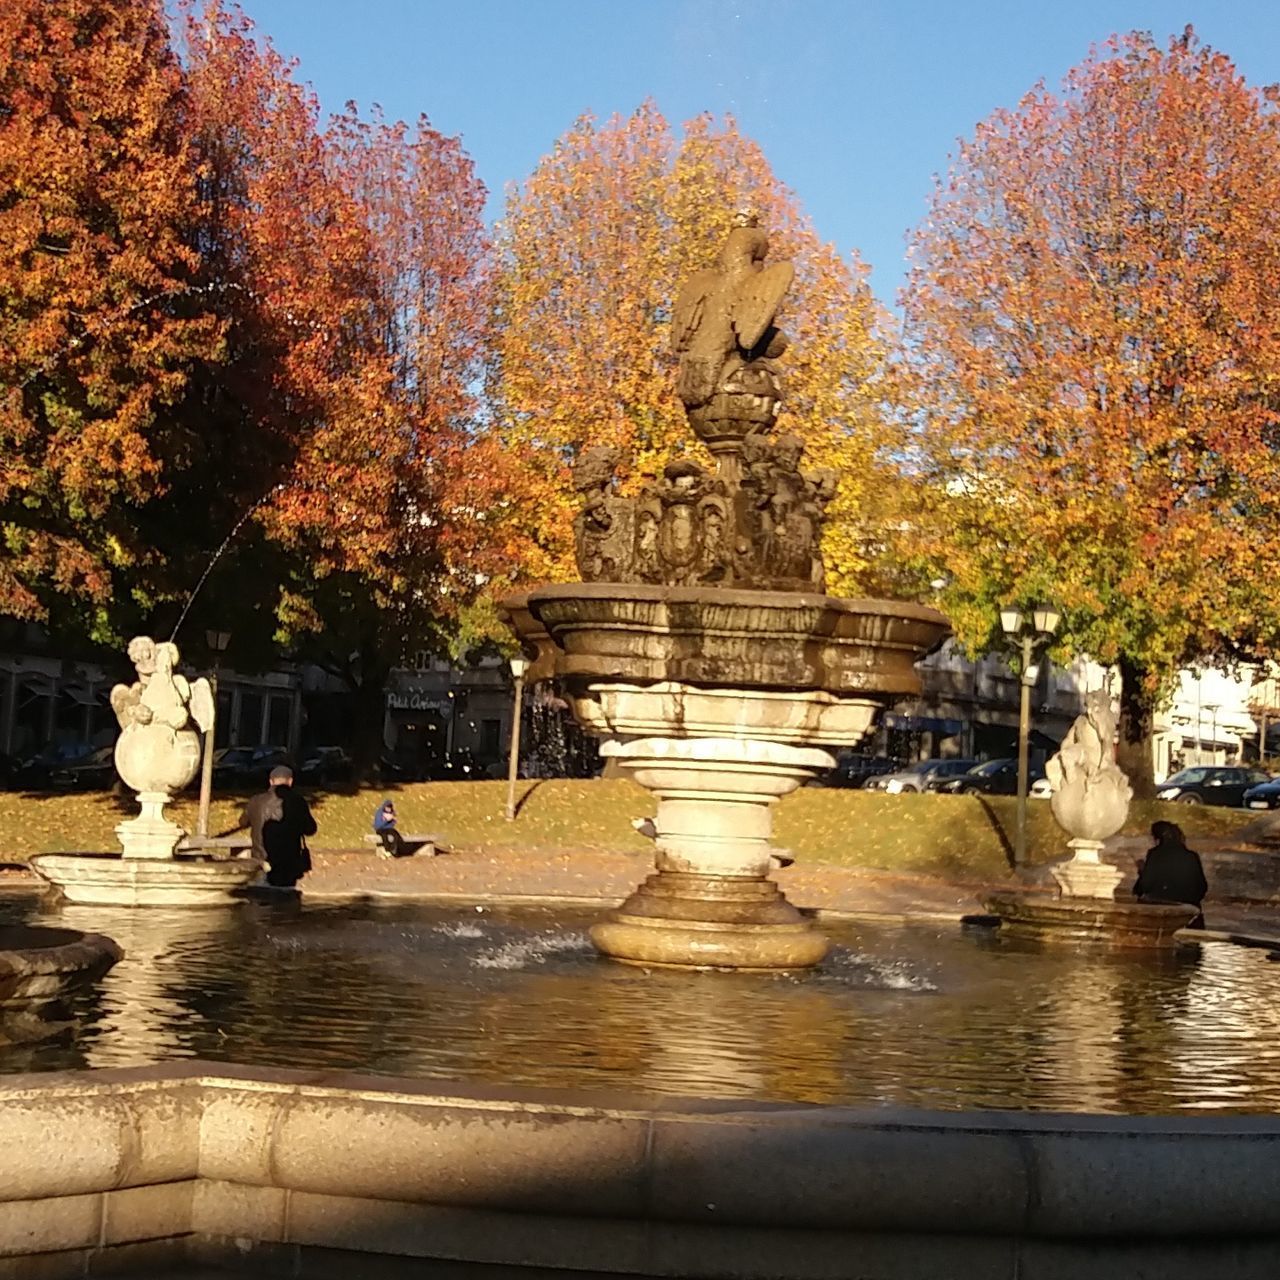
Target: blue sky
pixel 857 103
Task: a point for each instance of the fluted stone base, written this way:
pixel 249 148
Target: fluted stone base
pixel 112 880
pixel 711 903
pixel 1094 921
pixel 700 921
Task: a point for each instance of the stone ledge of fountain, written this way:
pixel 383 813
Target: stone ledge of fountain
pixel 725 637
pixel 108 879
pixel 39 968
pixel 318 1173
pixel 1118 924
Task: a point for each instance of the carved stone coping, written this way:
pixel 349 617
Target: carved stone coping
pixel 228 1163
pixel 761 639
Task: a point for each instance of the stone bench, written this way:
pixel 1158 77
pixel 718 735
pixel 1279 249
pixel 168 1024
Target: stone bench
pixel 421 845
pixel 237 845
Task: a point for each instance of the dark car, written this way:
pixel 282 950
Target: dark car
pixel 918 776
pixel 854 769
pixel 36 773
pixel 993 778
pixel 1211 784
pixel 1265 795
pixel 96 771
pixel 325 765
pixel 247 766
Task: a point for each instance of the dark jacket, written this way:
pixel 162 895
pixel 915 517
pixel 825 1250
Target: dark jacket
pixel 283 838
pixel 1171 873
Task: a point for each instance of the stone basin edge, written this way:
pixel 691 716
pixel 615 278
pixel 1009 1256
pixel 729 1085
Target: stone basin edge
pixel 203 1153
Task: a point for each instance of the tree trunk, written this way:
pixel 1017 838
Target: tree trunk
pixel 1137 711
pixel 368 700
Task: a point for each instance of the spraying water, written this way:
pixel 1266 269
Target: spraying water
pixel 217 555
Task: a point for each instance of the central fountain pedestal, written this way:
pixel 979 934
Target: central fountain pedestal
pixel 711 903
pixel 720 703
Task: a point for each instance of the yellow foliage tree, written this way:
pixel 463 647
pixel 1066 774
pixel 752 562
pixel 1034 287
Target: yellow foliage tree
pixel 592 252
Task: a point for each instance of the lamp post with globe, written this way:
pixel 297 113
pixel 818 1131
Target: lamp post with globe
pixel 518 667
pixel 1026 632
pixel 217 642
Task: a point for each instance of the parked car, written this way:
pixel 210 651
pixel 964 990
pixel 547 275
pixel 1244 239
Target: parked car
pixel 96 771
pixel 1263 795
pixel 325 765
pixel 36 772
pixel 853 769
pixel 247 766
pixel 916 777
pixel 1211 784
pixel 992 778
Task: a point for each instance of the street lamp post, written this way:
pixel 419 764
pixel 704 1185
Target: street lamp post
pixel 1212 709
pixel 518 667
pixel 217 642
pixel 1026 634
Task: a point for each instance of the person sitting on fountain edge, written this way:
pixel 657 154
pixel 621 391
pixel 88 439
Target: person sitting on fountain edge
pixel 1171 871
pixel 284 830
pixel 384 827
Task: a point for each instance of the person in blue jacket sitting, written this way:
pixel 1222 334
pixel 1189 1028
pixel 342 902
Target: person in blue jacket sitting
pixel 384 826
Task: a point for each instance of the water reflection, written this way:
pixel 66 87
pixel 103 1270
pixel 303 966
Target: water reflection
pixel 921 1016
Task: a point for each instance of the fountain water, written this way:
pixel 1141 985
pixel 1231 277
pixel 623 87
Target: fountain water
pixel 700 646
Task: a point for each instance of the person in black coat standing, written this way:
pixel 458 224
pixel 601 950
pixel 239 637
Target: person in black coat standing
pixel 1171 871
pixel 285 831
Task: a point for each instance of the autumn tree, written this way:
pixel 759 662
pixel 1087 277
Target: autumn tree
pixel 591 253
pixel 101 322
pixel 1095 346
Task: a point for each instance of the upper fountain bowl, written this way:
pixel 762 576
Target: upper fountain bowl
pixel 716 636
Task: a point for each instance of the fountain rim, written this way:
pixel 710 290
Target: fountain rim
pixel 725 597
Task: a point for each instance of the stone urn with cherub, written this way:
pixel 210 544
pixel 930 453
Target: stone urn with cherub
pixel 161 715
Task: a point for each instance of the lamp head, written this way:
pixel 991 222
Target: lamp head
pixel 1011 620
pixel 217 640
pixel 519 665
pixel 1047 619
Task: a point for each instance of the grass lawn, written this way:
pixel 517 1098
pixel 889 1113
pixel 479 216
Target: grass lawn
pixel 953 836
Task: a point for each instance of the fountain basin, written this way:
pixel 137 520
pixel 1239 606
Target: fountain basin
pixel 711 636
pixel 39 968
pixel 1102 922
pixel 112 880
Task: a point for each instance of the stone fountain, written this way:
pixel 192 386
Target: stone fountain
pixel 157 753
pixel 701 647
pixel 1090 802
pixel 40 969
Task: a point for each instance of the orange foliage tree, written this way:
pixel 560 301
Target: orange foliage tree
pixel 1094 332
pixel 352 266
pixel 591 254
pixel 101 318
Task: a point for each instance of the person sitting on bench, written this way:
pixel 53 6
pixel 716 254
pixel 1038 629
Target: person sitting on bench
pixel 384 827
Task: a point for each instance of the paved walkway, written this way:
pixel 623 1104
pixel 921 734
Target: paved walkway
pixel 608 877
pixel 611 876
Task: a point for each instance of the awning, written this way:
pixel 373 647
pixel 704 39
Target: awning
pixel 82 696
